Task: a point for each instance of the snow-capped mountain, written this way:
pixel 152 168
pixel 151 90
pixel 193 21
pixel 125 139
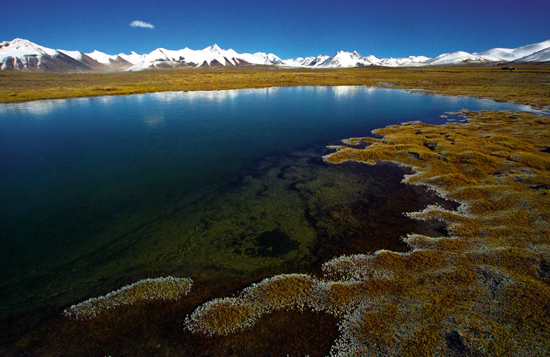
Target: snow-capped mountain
pixel 212 56
pixel 503 54
pixel 540 56
pixel 133 57
pixel 310 61
pixel 341 59
pixel 24 55
pixel 354 59
pixel 459 57
pixel 515 54
pixel 120 61
pixel 263 58
pixel 99 61
pixel 20 47
pixel 495 55
pixel 344 59
pixel 404 62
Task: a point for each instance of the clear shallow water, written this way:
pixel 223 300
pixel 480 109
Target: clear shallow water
pixel 96 191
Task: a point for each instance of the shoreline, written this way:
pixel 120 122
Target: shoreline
pixel 529 84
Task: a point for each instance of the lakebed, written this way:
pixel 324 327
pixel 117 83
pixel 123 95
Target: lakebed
pixel 429 294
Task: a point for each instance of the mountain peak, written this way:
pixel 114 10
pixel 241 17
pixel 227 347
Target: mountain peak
pixel 22 47
pixel 19 43
pixel 213 48
pixel 19 40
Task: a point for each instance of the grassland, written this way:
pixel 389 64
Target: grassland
pixel 529 84
pixel 485 289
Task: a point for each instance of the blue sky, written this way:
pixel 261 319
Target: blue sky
pixel 384 28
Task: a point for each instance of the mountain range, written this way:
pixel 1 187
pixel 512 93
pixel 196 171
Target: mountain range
pixel 24 55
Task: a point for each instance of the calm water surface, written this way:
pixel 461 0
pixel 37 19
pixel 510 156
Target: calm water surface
pixel 99 191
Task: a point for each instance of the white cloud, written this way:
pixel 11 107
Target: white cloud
pixel 141 24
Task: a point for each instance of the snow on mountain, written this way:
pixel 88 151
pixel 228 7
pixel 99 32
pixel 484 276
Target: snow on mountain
pixel 347 59
pixel 88 61
pixel 262 58
pixel 515 54
pixel 310 61
pixel 493 55
pixel 459 57
pixel 406 61
pixel 109 62
pixel 101 57
pixel 353 59
pixel 294 62
pixel 24 55
pixel 500 54
pixel 344 59
pixel 77 55
pixel 20 47
pixel 528 50
pixel 210 56
pixel 540 56
pixel 133 57
pixel 21 54
pixel 370 59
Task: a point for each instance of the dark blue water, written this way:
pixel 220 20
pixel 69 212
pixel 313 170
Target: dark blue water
pixel 78 175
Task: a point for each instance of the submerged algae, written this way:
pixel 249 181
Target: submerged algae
pixel 483 290
pixel 288 209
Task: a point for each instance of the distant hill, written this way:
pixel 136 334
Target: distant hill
pixel 24 55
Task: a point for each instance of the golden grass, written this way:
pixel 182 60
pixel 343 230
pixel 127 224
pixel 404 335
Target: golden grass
pixel 287 290
pixel 529 84
pixel 168 288
pixel 497 166
pixel 225 316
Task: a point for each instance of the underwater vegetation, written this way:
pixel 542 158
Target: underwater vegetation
pixel 483 290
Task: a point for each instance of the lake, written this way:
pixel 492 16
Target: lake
pixel 225 187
